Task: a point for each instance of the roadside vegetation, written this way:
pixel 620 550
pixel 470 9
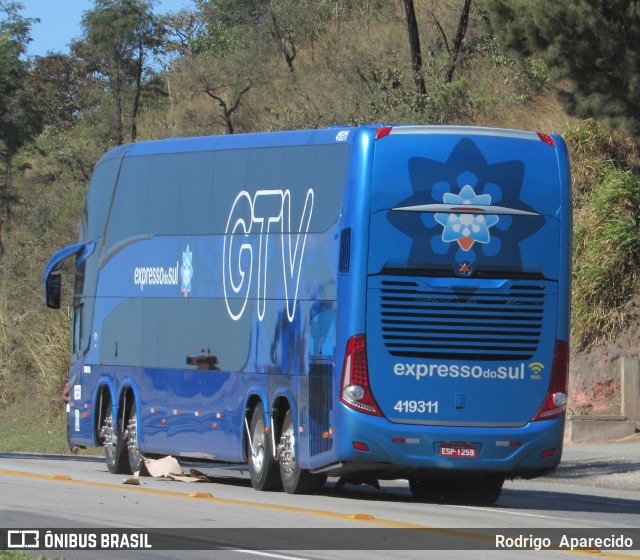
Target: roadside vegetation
pixel 233 66
pixel 11 555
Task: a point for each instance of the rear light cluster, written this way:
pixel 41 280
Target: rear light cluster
pixel 555 403
pixel 546 139
pixel 355 390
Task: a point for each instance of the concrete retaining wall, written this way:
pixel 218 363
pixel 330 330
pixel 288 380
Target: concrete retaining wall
pixel 584 429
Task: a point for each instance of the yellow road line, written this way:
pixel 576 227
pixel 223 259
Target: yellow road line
pixel 357 518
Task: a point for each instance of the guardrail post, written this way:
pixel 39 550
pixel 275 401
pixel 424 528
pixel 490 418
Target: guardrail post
pixel 630 378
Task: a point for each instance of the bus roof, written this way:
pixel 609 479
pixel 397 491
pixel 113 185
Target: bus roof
pixel 328 135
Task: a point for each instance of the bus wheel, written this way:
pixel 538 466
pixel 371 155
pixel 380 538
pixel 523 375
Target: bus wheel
pixel 294 479
pixel 130 438
pixel 114 451
pixel 263 468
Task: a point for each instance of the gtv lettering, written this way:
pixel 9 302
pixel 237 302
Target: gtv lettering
pixel 252 220
pixel 465 371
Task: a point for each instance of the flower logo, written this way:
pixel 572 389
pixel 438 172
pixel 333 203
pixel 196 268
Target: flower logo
pixel 186 271
pixel 465 213
pixel 466 228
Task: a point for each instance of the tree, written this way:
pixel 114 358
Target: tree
pixel 591 44
pixel 290 24
pixel 224 79
pixel 56 81
pixel 119 38
pixel 209 28
pixel 454 53
pixel 414 45
pixel 19 116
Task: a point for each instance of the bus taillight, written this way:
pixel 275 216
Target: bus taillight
pixel 555 403
pixel 356 392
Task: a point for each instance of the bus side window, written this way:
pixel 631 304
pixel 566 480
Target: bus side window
pixel 78 344
pixel 77 328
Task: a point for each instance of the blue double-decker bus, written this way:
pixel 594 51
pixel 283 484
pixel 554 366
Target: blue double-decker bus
pixel 381 301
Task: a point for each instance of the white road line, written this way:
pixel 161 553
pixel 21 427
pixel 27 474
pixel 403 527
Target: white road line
pixel 271 554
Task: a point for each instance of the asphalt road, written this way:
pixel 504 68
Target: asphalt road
pixel 596 491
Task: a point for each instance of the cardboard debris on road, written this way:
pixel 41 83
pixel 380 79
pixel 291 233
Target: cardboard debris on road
pixel 166 467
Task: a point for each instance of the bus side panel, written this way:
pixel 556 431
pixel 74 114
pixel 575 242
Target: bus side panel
pixel 247 298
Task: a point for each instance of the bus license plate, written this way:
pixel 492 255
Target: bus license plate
pixel 461 451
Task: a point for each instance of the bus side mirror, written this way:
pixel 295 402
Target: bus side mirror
pixel 53 271
pixel 53 289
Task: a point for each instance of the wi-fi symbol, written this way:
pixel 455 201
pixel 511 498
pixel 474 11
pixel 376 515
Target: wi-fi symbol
pixel 536 367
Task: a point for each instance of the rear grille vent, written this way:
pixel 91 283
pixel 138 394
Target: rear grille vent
pixel 471 324
pixel 345 250
pixel 320 389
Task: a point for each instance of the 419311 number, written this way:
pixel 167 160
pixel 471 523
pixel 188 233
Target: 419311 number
pixel 421 407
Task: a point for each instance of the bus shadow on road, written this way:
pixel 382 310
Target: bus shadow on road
pixel 558 501
pixel 541 499
pixel 573 470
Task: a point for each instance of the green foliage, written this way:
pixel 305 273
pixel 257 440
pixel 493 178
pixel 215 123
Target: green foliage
pixel 594 45
pixel 17 555
pixel 20 118
pixel 606 248
pixel 56 81
pixel 120 37
pixel 594 147
pixel 18 115
pixel 32 426
pixel 606 255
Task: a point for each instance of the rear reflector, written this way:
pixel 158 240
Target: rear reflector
pixel 404 440
pixel 383 131
pixel 359 446
pixel 547 139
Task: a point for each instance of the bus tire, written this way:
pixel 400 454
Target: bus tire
pixel 294 479
pixel 130 441
pixel 115 454
pixel 263 468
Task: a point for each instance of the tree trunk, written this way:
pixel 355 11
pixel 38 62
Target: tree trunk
pixel 136 98
pixel 117 100
pixel 457 44
pixel 288 53
pixel 414 45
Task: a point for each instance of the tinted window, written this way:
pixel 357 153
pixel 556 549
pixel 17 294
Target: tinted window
pixel 128 214
pixel 190 193
pixel 99 196
pixel 179 333
pixel 180 193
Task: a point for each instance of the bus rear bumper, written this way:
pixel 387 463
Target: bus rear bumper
pixel 387 450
